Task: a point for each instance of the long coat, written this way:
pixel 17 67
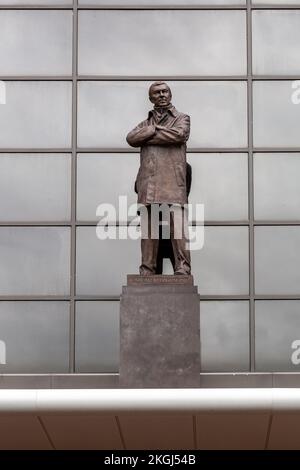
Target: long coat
pixel 162 173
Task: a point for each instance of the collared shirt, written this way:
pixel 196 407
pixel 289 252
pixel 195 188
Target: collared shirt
pixel 159 113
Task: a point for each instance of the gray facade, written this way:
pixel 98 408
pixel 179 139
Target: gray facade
pixel 66 71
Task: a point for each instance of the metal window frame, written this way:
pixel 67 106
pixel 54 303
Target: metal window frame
pixel 73 223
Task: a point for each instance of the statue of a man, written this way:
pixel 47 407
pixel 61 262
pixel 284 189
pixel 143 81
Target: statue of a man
pixel 162 174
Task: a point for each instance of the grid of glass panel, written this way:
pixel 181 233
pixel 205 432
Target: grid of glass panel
pixel 74 78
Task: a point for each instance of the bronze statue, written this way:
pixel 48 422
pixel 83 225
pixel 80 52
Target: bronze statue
pixel 162 174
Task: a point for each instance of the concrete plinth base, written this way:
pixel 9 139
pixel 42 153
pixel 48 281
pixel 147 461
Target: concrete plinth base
pixel 159 331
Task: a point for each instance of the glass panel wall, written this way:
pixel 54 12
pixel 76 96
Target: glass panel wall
pixel 73 82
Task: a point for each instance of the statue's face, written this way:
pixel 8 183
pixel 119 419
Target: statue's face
pixel 160 96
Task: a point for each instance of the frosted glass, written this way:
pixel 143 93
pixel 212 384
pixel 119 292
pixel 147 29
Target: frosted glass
pixel 36 114
pixel 220 182
pixel 221 266
pixel 224 331
pixel 276 186
pixel 102 178
pixel 277 323
pixel 97 337
pixel 277 260
pixel 35 42
pixel 36 335
pixel 276 37
pixel 276 2
pixel 102 265
pixel 162 42
pixel 36 2
pixel 35 187
pixel 275 115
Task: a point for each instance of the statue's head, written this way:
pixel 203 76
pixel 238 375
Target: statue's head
pixel 160 94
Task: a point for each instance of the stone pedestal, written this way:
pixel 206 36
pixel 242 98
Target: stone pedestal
pixel 159 332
